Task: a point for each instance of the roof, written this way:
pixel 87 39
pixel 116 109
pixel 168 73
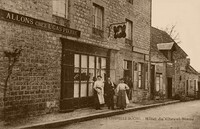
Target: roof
pixel 157 56
pixel 161 37
pixel 190 69
pixel 165 46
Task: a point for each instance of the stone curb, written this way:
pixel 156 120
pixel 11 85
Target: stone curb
pixel 54 124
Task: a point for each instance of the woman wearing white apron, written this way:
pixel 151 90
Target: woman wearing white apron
pixel 99 92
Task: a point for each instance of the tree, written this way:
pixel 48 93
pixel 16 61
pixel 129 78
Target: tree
pixel 13 56
pixel 171 30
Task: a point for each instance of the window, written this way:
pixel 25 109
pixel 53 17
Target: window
pixel 97 17
pixel 159 81
pixel 195 87
pixel 190 84
pixel 129 26
pixel 130 1
pixel 60 8
pixel 127 66
pixel 140 75
pixel 86 67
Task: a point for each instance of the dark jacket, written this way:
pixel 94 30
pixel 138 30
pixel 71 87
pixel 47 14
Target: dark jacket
pixel 109 88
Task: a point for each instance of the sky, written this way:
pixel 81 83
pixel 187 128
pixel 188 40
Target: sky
pixel 185 14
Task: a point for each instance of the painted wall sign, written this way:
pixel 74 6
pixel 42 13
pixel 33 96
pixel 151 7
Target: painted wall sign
pixel 32 22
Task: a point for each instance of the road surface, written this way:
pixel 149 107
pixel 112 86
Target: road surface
pixel 184 115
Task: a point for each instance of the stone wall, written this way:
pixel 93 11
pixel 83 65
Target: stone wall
pixel 182 75
pixel 34 86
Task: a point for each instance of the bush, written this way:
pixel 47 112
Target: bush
pixel 177 97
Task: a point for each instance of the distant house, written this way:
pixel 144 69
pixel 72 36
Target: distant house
pixel 177 76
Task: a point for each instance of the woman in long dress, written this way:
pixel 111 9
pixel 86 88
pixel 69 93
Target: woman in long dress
pixel 122 98
pixel 99 92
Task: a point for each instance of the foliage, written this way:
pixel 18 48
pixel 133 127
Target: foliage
pixel 13 57
pixel 171 30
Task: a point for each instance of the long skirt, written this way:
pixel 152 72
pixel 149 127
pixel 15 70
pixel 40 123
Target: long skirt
pixel 99 97
pixel 122 99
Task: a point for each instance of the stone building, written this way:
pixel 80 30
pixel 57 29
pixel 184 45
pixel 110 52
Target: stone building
pixel 65 44
pixel 180 77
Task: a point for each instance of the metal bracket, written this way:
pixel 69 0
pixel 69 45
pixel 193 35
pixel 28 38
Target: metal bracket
pixel 110 26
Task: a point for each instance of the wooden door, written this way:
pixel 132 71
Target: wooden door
pixel 152 81
pixel 169 87
pixel 67 79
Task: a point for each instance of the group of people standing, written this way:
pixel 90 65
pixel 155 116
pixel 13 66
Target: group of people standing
pixel 104 92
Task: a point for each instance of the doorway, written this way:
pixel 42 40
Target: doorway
pixel 152 81
pixel 169 87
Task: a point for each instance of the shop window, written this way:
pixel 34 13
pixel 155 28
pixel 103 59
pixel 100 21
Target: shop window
pixel 159 82
pixel 97 20
pixel 84 73
pixel 60 8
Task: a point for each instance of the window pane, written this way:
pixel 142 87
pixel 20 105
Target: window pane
pixel 84 75
pixel 128 29
pixel 83 61
pixel 60 7
pixel 98 72
pixel 125 65
pixel 76 89
pixel 76 60
pixel 157 82
pixel 103 74
pixel 98 17
pixel 90 93
pixel 76 74
pixel 83 89
pixel 91 62
pixel 103 63
pixel 161 82
pixel 139 83
pixel 139 67
pixel 91 75
pixel 98 62
pixel 55 6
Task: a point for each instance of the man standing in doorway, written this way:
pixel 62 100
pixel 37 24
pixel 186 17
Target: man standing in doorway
pixel 129 82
